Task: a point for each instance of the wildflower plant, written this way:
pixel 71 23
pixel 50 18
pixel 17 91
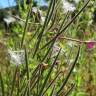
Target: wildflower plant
pixel 46 67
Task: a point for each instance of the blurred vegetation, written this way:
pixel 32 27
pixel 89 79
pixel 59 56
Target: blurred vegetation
pixel 59 51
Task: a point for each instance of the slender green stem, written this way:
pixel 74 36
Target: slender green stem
pixel 70 72
pixel 26 23
pixel 2 84
pixel 27 68
pixel 67 94
pixel 63 30
pixel 14 80
pixel 49 73
pixel 47 19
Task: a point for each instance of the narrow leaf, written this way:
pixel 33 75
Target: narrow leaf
pixel 2 84
pixel 63 30
pixel 70 72
pixel 49 73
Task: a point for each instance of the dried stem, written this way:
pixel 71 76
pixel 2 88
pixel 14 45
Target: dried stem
pixel 76 40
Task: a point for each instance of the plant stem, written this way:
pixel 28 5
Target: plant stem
pixel 76 40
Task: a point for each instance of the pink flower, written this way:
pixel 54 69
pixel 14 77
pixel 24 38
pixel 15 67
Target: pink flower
pixel 90 44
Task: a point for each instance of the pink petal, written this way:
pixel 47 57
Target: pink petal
pixel 90 45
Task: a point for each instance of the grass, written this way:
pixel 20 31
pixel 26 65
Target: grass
pixel 57 59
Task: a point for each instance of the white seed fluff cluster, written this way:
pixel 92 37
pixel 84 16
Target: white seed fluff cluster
pixel 42 20
pixel 9 20
pixel 17 57
pixel 76 1
pixel 56 49
pixel 68 6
